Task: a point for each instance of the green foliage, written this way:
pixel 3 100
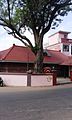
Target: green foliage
pixel 37 15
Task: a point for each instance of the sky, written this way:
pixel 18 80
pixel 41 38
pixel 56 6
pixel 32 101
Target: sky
pixel 7 41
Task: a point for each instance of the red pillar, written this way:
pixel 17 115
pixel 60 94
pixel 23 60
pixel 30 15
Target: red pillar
pixel 71 75
pixel 54 77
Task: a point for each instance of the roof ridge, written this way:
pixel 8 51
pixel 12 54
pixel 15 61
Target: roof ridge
pixel 19 46
pixel 60 31
pixel 8 52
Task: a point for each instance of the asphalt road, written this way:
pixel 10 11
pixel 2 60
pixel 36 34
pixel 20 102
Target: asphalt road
pixel 53 103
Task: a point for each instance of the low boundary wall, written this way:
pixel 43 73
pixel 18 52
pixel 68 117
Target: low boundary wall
pixel 11 79
pixel 28 79
pixel 41 79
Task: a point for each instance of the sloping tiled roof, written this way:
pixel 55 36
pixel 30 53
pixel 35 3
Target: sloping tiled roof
pixel 24 54
pixel 56 57
pixel 4 53
pixel 17 53
pixel 67 61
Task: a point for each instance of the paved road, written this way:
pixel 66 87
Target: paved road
pixel 53 103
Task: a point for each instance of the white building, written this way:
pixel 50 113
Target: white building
pixel 60 41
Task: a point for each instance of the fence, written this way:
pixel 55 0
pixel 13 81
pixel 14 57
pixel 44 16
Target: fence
pixel 28 79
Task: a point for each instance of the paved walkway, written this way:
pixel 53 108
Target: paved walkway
pixel 63 80
pixel 4 90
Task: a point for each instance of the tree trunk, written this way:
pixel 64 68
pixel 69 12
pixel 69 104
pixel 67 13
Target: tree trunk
pixel 38 68
pixel 39 62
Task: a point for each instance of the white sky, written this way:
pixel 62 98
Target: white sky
pixel 7 41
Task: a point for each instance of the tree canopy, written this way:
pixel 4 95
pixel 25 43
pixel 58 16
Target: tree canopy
pixel 37 16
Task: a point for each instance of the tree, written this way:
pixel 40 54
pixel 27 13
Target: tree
pixel 38 16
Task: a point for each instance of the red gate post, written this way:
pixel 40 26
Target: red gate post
pixel 71 75
pixel 54 77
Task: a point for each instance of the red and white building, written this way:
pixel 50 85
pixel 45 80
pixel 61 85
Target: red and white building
pixel 60 41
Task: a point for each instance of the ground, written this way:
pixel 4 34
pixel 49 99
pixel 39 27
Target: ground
pixel 36 103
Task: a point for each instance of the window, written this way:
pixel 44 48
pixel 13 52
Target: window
pixel 65 35
pixel 66 48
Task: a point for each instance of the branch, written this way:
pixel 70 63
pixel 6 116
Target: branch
pixel 45 30
pixel 17 32
pixel 3 21
pixel 65 4
pixel 20 39
pixel 9 10
pixel 31 47
pixel 2 24
pixel 53 16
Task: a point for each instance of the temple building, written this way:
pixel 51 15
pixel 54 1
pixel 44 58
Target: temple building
pixel 57 56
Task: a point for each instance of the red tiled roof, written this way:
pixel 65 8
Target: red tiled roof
pixel 67 61
pixel 24 54
pixel 56 57
pixel 17 53
pixel 4 53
